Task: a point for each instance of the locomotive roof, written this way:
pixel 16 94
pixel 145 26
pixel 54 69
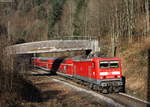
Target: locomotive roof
pixel 47 58
pixel 43 58
pixel 112 58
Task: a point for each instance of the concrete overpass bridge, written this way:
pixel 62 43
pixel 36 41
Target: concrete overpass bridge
pixel 54 46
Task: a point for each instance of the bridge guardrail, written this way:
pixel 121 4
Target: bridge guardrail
pixel 75 38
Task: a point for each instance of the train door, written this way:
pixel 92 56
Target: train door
pixel 93 70
pixel 89 71
pixel 74 68
pixel 65 69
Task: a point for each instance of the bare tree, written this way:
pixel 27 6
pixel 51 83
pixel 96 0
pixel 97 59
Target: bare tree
pixel 147 9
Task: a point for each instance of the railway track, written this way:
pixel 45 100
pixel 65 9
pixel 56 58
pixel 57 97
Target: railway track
pixel 115 99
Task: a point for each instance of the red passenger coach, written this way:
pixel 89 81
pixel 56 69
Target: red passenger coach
pixel 66 67
pixel 103 74
pixel 35 61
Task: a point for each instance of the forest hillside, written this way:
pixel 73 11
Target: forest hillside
pixel 123 24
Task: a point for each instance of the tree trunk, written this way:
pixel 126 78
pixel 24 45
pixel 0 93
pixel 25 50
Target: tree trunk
pixel 147 17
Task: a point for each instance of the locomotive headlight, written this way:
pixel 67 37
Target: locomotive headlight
pixel 118 76
pixel 116 72
pixel 103 73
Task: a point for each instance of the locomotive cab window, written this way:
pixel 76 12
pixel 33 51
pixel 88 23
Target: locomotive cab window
pixel 114 64
pixel 109 64
pixel 104 64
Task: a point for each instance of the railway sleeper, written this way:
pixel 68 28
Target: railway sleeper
pixel 105 90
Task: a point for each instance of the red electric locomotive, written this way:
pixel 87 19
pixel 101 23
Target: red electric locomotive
pixel 103 74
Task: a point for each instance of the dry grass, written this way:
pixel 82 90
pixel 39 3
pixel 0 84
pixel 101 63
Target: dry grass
pixel 12 73
pixel 58 95
pixel 135 69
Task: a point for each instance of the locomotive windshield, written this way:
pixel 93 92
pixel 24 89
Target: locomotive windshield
pixel 114 64
pixel 104 64
pixel 109 64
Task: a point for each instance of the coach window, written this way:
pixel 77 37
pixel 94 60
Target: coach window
pixel 43 60
pixel 104 64
pixel 114 64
